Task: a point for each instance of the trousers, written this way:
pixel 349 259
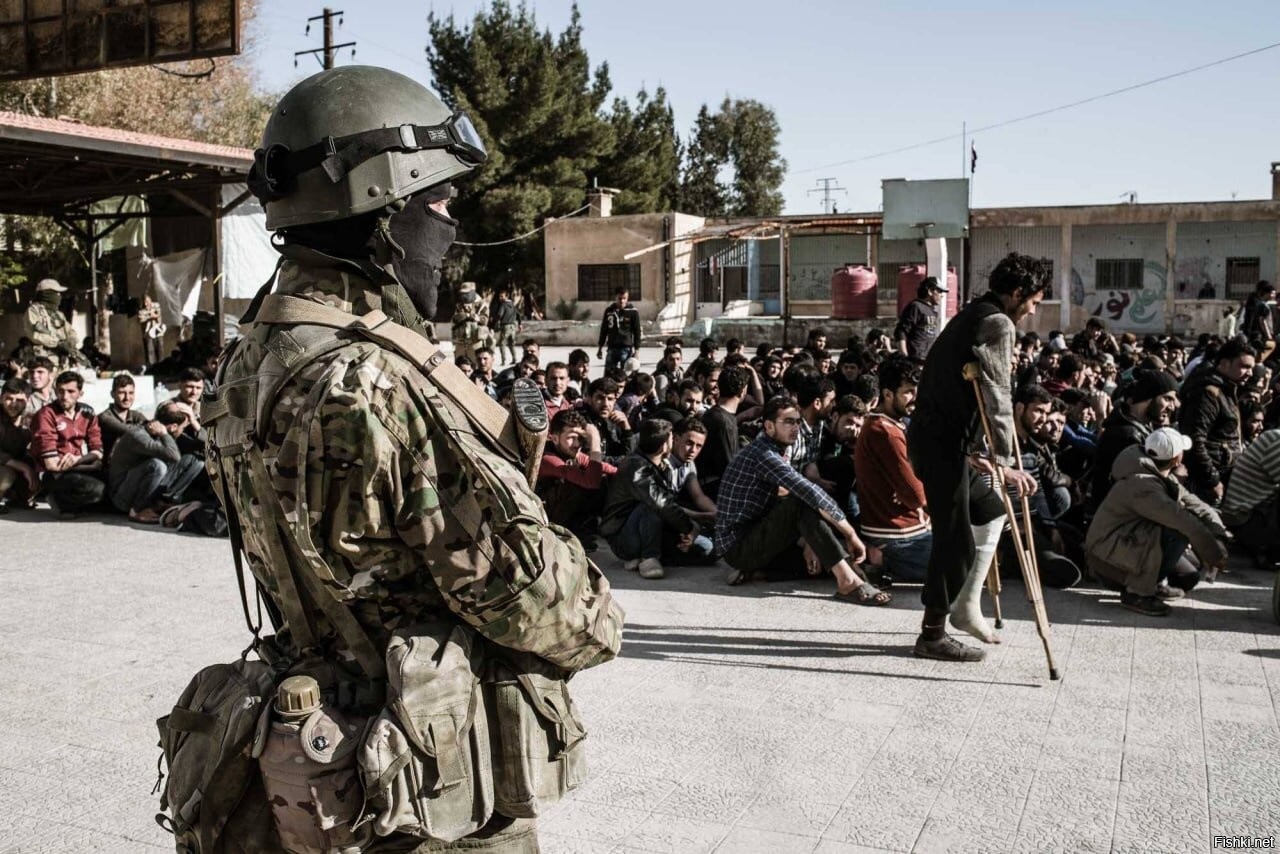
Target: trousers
pixel 73 491
pixel 644 536
pixel 152 480
pixel 770 543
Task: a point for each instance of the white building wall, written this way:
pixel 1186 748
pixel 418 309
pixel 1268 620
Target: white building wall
pixel 989 245
pixel 1204 247
pixel 1136 310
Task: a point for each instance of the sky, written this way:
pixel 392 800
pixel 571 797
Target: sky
pixel 850 80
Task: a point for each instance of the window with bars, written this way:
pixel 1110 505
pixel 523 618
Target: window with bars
pixel 598 282
pixel 1242 276
pixel 1118 274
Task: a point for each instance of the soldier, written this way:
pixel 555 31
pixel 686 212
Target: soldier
pixel 379 504
pixel 50 332
pixel 466 329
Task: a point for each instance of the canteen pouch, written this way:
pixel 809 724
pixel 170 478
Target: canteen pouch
pixel 213 800
pixel 425 759
pixel 313 786
pixel 538 740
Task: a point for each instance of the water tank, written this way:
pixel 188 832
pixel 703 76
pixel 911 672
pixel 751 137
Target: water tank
pixel 853 292
pixel 911 275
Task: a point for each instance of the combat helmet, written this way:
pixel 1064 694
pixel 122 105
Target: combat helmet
pixel 352 140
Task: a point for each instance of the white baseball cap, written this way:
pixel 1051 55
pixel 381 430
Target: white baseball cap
pixel 49 285
pixel 1166 443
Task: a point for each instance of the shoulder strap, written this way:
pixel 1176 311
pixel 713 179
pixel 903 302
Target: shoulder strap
pixel 483 411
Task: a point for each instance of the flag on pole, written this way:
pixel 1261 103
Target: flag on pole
pixel 973 158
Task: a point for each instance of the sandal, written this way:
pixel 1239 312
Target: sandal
pixel 865 594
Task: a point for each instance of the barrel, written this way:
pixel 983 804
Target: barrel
pixel 853 292
pixel 911 275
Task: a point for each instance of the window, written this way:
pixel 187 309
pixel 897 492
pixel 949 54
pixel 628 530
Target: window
pixel 1118 274
pixel 598 282
pixel 1242 276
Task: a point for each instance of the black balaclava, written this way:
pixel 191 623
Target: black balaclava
pixel 421 236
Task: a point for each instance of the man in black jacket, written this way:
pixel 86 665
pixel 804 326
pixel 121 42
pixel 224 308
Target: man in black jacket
pixel 619 331
pixel 642 519
pixel 1150 401
pixel 599 407
pixel 147 468
pixel 942 443
pixel 721 421
pixel 918 325
pixel 1210 417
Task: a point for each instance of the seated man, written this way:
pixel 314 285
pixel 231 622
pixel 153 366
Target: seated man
pixel 765 508
pixel 18 480
pixel 642 520
pixel 1249 505
pixel 690 437
pixel 40 375
pixel 119 415
pixel 1147 520
pixel 484 376
pixel 890 496
pixel 684 399
pixel 834 470
pixel 191 388
pixel 668 372
pixel 555 392
pixel 572 472
pixel 1148 402
pixel 147 471
pixel 599 407
pixel 721 423
pixel 67 445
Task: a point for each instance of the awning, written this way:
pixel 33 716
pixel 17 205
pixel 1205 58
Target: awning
pixel 771 229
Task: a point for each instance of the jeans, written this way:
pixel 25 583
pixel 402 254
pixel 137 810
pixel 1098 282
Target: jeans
pixel 154 479
pixel 907 558
pixel 616 356
pixel 506 343
pixel 644 536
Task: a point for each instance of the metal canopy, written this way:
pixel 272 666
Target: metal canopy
pixel 57 168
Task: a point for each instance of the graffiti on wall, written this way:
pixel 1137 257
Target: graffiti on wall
pixel 1130 309
pixel 811 281
pixel 1191 273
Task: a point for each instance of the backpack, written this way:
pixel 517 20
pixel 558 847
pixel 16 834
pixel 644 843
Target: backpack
pixel 213 801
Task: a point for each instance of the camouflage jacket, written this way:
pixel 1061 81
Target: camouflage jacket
pixel 412 514
pixel 53 336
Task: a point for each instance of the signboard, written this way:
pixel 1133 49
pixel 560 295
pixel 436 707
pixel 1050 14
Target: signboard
pixel 914 210
pixel 46 38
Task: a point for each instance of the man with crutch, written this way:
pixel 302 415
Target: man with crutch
pixel 944 444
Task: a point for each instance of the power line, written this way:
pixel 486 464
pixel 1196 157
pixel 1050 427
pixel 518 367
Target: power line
pixel 1045 112
pixel 829 185
pixel 527 233
pixel 330 49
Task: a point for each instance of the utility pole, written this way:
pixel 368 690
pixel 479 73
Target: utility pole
pixel 330 49
pixel 827 187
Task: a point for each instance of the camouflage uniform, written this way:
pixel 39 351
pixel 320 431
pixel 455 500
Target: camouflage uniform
pixel 414 517
pixel 53 336
pixel 466 324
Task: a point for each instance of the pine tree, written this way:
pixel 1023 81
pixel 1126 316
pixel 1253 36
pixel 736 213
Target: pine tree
pixel 645 162
pixel 537 104
pixel 701 190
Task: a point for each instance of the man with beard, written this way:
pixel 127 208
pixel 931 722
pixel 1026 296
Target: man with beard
pixel 557 385
pixel 757 532
pixel 918 325
pixel 683 400
pixel 571 473
pixel 1150 401
pixel 374 488
pixel 943 442
pixel 1210 417
pixel 599 407
pixel 890 496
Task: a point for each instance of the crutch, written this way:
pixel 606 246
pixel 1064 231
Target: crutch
pixel 993 587
pixel 1023 543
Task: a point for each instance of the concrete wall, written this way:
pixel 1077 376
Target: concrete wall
pixel 606 240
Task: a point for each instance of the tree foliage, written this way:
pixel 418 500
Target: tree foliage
pixel 540 107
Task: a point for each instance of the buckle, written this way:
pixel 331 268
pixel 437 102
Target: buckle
pixel 408 139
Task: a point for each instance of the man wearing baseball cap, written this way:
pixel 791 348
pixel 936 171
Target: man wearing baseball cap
pixel 1148 402
pixel 1146 522
pixel 918 325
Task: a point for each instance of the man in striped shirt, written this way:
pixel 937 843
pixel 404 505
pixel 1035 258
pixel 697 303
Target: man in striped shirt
pixel 765 507
pixel 1249 505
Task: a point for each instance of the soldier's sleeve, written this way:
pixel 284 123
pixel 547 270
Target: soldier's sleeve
pixel 484 538
pixel 994 350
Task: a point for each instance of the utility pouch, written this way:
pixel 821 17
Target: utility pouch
pixel 538 740
pixel 212 801
pixel 425 758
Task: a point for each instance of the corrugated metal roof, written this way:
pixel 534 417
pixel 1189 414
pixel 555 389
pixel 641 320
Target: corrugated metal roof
pixel 76 135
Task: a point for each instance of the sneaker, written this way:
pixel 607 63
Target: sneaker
pixel 1059 573
pixel 651 567
pixel 1148 606
pixel 631 565
pixel 1169 594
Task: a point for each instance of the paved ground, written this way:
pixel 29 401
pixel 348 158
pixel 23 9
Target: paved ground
pixel 762 718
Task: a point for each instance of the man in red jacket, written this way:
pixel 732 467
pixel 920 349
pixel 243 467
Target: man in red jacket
pixel 572 472
pixel 67 446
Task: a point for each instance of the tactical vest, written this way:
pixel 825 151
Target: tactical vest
pixel 946 408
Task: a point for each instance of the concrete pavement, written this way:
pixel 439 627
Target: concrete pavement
pixel 763 718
